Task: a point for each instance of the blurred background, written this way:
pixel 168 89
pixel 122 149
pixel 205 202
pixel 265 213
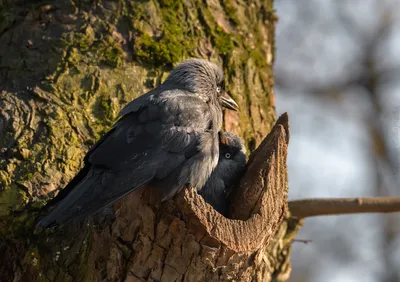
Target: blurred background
pixel 338 76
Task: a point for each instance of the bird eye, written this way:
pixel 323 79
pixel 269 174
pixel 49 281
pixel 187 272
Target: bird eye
pixel 227 155
pixel 218 89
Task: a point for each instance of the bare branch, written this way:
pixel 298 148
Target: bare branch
pixel 301 241
pixel 316 207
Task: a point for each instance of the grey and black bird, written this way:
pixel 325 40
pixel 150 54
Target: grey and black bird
pixel 230 168
pixel 166 138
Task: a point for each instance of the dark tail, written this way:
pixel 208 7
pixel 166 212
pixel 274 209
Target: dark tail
pixel 69 187
pixel 78 202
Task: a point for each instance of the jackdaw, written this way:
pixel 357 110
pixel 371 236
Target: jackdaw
pixel 231 166
pixel 166 138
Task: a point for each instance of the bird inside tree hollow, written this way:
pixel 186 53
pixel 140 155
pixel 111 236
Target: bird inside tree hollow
pixel 225 177
pixel 167 138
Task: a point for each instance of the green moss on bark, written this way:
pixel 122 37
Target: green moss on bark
pixel 5 179
pixel 221 40
pixel 158 53
pixel 174 42
pixel 112 54
pixel 12 199
pixel 86 47
pixel 230 10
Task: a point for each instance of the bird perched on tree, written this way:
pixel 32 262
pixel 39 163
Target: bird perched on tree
pixel 167 138
pixel 230 167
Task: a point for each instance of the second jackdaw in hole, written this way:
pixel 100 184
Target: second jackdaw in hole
pixel 167 138
pixel 230 168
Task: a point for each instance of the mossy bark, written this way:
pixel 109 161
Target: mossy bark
pixel 66 69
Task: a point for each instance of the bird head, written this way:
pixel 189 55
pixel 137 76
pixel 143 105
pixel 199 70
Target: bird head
pixel 204 79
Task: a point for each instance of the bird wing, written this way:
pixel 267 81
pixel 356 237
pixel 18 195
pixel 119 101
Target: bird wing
pixel 153 138
pixel 155 135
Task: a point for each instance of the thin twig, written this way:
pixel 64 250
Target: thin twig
pixel 301 241
pixel 315 207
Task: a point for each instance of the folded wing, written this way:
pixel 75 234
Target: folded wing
pixel 153 139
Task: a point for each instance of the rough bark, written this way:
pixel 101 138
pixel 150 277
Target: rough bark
pixel 66 68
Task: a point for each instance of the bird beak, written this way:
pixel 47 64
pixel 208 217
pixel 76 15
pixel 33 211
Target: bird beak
pixel 228 102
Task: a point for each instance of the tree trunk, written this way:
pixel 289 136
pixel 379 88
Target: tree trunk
pixel 66 69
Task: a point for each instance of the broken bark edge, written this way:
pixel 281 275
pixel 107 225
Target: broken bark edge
pixel 259 204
